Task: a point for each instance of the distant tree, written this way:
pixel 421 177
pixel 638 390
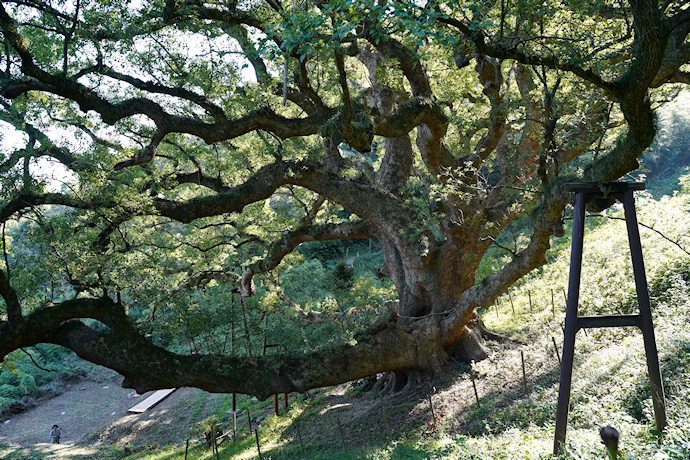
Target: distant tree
pixel 670 151
pixel 208 140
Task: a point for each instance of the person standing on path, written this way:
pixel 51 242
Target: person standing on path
pixel 55 435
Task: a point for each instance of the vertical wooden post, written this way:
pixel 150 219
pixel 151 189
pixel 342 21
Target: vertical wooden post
pixel 246 329
pixel 431 407
pixel 299 436
pixel 529 295
pixel 510 297
pixel 524 373
pixel 646 324
pixel 571 326
pixel 258 447
pixel 385 420
pixel 474 386
pixel 232 351
pixel 263 343
pixel 340 429
pixel 558 355
pixel 215 446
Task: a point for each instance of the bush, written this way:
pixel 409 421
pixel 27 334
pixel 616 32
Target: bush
pixel 208 429
pixel 302 282
pixel 5 403
pixel 10 391
pixel 8 378
pixel 28 385
pixel 341 278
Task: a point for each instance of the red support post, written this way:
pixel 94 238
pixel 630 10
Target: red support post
pixel 286 401
pixel 275 403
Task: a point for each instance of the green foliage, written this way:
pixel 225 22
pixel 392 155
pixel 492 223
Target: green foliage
pixel 208 429
pixel 10 392
pixel 610 384
pixel 28 385
pixel 20 376
pixel 5 402
pixel 7 378
pixel 177 279
pixel 329 252
pixel 665 161
pixel 304 283
pixel 341 277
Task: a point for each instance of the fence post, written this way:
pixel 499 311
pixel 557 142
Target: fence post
pixel 529 295
pixel 474 385
pixel 340 429
pixel 524 373
pixel 258 447
pixel 299 436
pixel 385 420
pixel 558 355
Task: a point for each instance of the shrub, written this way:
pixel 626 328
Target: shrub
pixel 208 429
pixel 28 384
pixel 10 391
pixel 5 403
pixel 8 378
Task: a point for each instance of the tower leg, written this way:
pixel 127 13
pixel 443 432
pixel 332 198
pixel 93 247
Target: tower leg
pixel 657 387
pixel 571 326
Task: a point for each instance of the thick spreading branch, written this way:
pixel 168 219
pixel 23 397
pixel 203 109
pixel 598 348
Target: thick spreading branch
pixel 14 310
pixel 259 186
pixel 501 50
pixel 285 245
pixel 13 206
pixel 121 348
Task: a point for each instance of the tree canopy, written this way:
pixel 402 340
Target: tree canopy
pixel 206 142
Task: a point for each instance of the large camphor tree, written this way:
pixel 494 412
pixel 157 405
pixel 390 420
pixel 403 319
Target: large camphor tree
pixel 202 142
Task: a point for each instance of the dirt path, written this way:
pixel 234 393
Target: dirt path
pixel 83 407
pixel 92 413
